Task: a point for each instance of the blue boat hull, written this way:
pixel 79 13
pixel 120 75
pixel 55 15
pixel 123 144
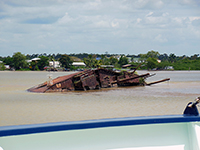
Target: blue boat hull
pixel 137 133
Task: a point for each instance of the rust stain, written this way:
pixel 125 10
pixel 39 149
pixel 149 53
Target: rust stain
pixel 92 79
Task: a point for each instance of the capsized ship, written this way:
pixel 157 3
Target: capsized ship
pixel 93 79
pixel 174 132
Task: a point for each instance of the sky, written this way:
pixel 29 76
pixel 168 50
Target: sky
pixel 99 26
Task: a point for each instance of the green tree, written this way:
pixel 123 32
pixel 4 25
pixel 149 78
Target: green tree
pixel 113 60
pixel 33 65
pixel 194 57
pixel 172 58
pixel 19 61
pixel 152 54
pixel 104 60
pixel 2 67
pixel 8 61
pixel 97 63
pixel 90 61
pixel 123 60
pixel 163 57
pixel 152 63
pixel 132 59
pixel 142 57
pixel 65 61
pixel 163 64
pixel 44 61
pixel 52 58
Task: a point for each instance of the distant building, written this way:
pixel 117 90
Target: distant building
pixel 117 56
pixel 34 59
pixel 129 59
pixel 107 66
pixel 159 61
pixel 7 66
pixel 139 60
pixel 98 58
pixel 55 64
pixel 169 68
pixel 78 64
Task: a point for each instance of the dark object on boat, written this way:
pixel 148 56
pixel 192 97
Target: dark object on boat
pixel 191 108
pixel 92 79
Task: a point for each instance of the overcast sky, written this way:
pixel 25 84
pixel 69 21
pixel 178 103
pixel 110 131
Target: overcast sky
pixel 99 26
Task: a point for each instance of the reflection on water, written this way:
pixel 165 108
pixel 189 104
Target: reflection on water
pixel 17 106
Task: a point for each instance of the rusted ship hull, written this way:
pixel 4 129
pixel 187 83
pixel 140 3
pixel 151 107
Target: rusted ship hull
pixel 90 80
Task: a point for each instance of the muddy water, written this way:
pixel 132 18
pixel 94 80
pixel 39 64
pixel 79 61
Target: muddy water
pixel 17 106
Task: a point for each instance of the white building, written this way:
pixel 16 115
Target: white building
pixel 34 59
pixel 55 64
pixel 7 66
pixel 78 64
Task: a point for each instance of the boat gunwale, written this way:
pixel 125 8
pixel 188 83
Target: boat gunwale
pixel 91 124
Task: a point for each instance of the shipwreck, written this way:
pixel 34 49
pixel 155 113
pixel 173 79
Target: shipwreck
pixel 93 79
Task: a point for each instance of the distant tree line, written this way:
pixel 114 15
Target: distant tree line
pixel 150 60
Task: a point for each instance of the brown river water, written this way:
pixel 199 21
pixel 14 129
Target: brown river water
pixel 17 106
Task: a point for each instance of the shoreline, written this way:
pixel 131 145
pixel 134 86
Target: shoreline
pixel 79 71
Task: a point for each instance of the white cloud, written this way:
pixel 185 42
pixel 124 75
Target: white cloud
pixel 149 14
pixel 157 19
pixel 95 4
pixel 65 19
pixel 139 20
pixel 156 4
pixel 159 4
pixel 3 40
pixel 189 2
pixel 101 24
pixel 117 26
pixel 160 38
pixel 194 18
pixel 165 14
